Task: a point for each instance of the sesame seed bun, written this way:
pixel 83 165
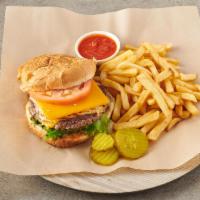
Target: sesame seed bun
pixel 55 72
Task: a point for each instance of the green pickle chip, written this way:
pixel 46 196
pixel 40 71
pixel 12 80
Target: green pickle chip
pixel 108 157
pixel 131 143
pixel 102 142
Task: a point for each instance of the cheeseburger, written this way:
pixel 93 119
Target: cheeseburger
pixel 65 106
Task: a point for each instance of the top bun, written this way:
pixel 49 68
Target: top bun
pixel 51 72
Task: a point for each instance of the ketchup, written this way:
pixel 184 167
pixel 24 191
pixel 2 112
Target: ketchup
pixel 97 46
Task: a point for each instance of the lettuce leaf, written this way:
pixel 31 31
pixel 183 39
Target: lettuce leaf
pixel 53 133
pixel 100 126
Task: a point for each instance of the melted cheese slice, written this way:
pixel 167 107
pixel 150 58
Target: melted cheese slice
pixel 94 99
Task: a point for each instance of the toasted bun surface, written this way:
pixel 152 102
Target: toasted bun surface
pixel 49 72
pixel 64 142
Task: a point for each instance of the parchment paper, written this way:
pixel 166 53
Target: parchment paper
pixel 31 31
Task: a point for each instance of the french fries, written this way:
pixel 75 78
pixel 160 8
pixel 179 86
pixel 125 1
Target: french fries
pixel 153 95
pixel 108 66
pixel 160 127
pixel 117 108
pixel 146 128
pixel 151 86
pixel 118 87
pixel 139 122
pixel 135 107
pixel 150 64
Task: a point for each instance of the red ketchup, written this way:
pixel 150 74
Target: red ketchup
pixel 97 46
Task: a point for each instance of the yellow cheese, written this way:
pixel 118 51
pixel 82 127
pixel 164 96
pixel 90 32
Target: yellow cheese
pixel 55 111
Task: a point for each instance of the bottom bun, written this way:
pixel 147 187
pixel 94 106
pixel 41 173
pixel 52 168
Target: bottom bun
pixel 63 142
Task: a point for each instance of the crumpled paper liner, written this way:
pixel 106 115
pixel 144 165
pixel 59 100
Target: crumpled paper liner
pixel 31 31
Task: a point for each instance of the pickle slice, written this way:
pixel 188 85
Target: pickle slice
pixel 108 157
pixel 131 143
pixel 102 142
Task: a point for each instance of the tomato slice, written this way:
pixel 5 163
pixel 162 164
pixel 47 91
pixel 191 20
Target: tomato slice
pixel 68 96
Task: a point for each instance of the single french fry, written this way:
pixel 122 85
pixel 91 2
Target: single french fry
pixel 160 127
pixel 182 89
pixel 135 107
pixel 134 117
pixel 189 97
pixel 126 72
pixel 173 61
pixel 168 86
pixel 141 121
pixel 163 75
pixel 119 79
pixel 188 77
pixel 191 108
pixel 117 108
pixel 173 122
